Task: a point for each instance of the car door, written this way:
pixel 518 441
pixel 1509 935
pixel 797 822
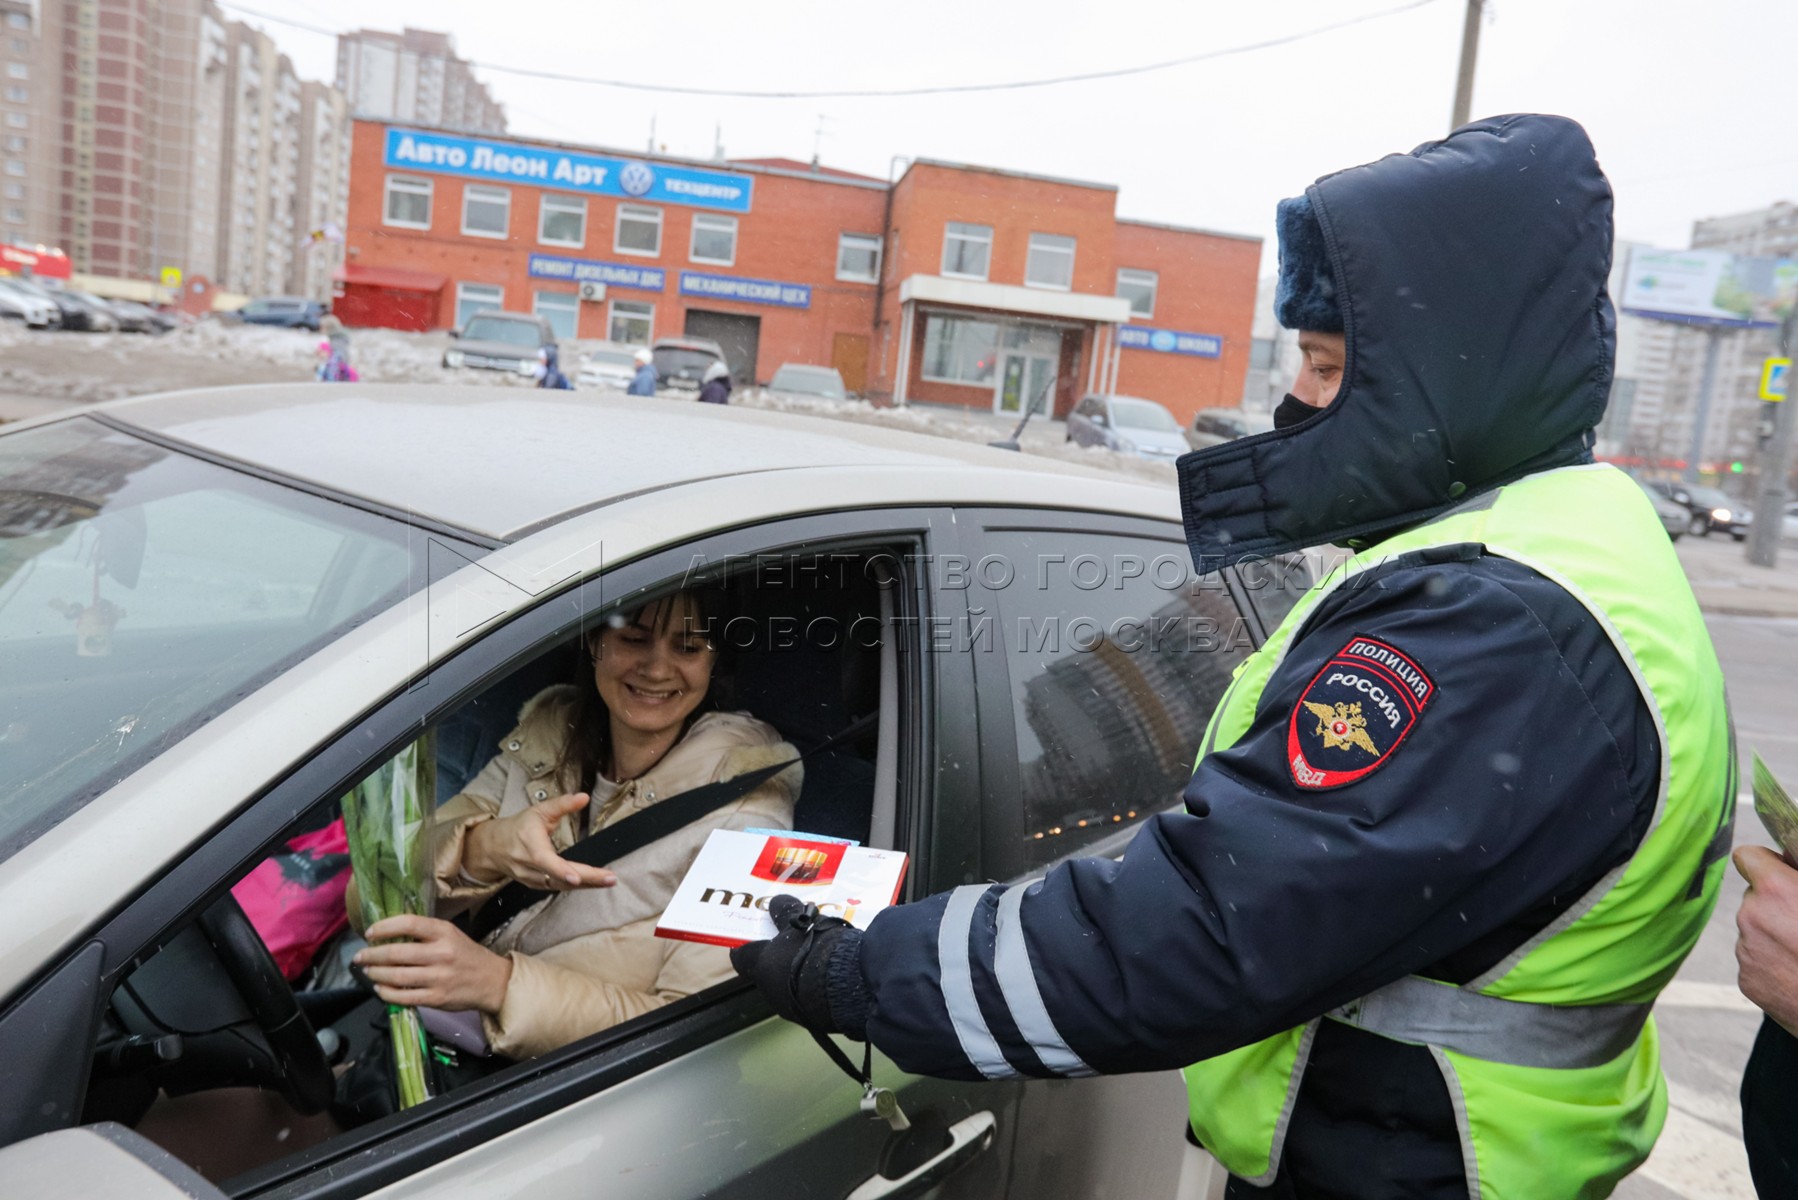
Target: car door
pixel 1108 661
pixel 707 1096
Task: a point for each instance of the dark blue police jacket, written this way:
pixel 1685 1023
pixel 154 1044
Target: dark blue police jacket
pixel 1471 274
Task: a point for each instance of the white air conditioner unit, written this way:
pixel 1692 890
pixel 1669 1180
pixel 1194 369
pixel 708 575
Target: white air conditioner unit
pixel 593 291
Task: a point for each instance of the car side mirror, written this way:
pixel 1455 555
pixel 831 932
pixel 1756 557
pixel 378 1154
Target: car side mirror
pixel 455 333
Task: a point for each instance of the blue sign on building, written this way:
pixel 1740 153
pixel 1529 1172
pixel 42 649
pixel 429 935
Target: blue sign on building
pixel 750 291
pixel 1170 341
pixel 587 270
pixel 566 170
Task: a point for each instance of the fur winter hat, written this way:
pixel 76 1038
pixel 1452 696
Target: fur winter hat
pixel 1306 295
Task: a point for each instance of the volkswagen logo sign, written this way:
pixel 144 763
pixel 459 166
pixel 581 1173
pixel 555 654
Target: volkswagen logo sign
pixel 636 179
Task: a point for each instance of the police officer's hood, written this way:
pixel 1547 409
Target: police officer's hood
pixel 1470 277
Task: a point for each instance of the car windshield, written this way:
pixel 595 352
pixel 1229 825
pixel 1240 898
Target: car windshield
pixel 1710 497
pixel 1142 414
pixel 510 333
pixel 809 381
pixel 142 592
pixel 673 360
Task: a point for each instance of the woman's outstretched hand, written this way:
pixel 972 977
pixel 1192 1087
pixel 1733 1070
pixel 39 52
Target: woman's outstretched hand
pixel 440 967
pixel 519 848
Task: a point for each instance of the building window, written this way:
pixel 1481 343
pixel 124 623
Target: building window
pixel 16 215
pixel 21 46
pixel 714 240
pixel 633 322
pixel 639 230
pixel 15 143
pixel 17 71
pixel 562 221
pixel 967 250
pixel 1051 262
pixel 560 309
pixel 858 258
pixel 472 298
pixel 17 95
pixel 960 350
pixel 13 191
pixel 17 120
pixel 486 211
pixel 16 20
pixel 408 202
pixel 1138 287
pixel 15 168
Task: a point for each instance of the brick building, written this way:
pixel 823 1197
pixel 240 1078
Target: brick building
pixel 957 285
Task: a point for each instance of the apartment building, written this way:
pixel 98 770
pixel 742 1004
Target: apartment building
pixel 414 76
pixel 322 191
pixel 1730 433
pixel 20 123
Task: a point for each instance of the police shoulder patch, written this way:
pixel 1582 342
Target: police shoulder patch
pixel 1354 713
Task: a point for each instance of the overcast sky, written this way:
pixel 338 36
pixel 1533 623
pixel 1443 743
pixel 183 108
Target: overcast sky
pixel 1692 106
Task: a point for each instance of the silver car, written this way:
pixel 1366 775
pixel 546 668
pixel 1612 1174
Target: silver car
pixel 1128 424
pixel 608 365
pixel 220 610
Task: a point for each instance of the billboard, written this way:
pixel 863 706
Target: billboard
pixel 1709 287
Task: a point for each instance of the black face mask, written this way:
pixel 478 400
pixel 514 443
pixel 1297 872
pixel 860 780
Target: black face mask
pixel 1293 411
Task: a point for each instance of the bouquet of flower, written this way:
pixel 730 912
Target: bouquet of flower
pixel 384 818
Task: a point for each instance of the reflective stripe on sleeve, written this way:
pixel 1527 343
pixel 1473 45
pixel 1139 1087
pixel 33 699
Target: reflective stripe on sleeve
pixel 1017 982
pixel 952 950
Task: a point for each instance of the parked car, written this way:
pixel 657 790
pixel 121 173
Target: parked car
pixel 74 312
pixel 19 304
pixel 1708 509
pixel 292 312
pixel 680 362
pixel 99 317
pixel 1128 424
pixel 1788 526
pixel 135 318
pixel 500 341
pixel 609 365
pixel 1215 426
pixel 237 603
pixel 800 379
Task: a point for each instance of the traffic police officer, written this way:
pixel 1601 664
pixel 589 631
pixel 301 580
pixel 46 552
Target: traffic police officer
pixel 1459 821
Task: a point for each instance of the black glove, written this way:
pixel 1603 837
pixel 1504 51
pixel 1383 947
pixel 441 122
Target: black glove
pixel 811 971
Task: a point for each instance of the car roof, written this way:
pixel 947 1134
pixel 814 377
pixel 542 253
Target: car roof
pixel 500 463
pixel 686 343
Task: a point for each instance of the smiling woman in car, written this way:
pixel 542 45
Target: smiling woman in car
pixel 582 758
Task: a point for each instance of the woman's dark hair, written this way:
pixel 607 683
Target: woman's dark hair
pixel 589 744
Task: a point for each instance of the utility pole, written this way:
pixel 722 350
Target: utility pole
pixel 1470 53
pixel 1770 505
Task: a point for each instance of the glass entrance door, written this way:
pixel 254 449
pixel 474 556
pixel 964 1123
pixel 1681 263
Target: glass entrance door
pixel 1024 378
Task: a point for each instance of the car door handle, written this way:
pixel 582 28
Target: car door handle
pixel 967 1138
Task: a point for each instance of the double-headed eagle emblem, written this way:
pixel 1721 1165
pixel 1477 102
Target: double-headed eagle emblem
pixel 1342 726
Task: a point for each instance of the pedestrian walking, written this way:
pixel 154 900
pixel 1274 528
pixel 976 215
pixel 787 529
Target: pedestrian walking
pixel 714 386
pixel 1457 822
pixel 643 383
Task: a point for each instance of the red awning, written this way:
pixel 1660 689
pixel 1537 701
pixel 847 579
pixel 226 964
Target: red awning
pixel 391 277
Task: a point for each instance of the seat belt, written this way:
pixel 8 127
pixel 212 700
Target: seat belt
pixel 640 829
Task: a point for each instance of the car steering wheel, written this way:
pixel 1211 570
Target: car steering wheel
pixel 309 1083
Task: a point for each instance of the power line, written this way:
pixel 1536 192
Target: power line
pixel 875 93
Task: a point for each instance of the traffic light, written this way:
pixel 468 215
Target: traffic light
pixel 1735 468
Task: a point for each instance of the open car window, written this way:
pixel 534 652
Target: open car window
pixel 809 650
